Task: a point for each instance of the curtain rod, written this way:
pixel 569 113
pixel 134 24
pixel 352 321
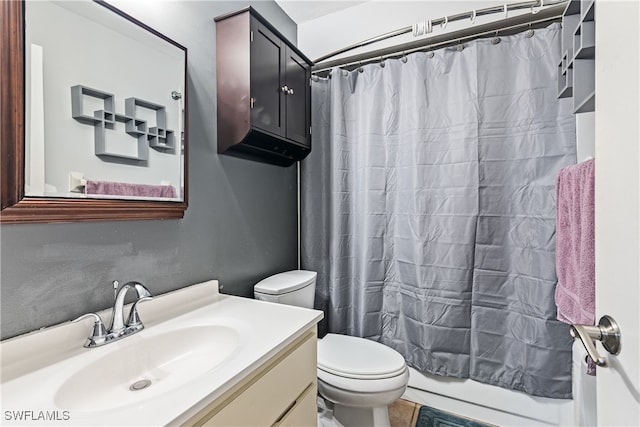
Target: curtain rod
pixel 508 24
pixel 472 14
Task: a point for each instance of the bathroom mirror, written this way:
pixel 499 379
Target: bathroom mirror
pixel 93 115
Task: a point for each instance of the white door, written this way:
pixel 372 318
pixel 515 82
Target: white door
pixel 617 202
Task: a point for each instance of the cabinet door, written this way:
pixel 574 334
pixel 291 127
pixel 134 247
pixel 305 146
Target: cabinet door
pixel 298 98
pixel 267 79
pixel 275 393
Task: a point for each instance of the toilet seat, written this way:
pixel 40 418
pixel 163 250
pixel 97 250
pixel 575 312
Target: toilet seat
pixel 360 365
pixel 355 385
pixel 358 358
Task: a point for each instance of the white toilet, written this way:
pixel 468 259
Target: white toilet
pixel 361 377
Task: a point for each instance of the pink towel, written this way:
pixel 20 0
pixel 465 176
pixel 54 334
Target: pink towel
pixel 575 245
pixel 128 189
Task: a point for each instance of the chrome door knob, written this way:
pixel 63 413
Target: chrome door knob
pixel 607 331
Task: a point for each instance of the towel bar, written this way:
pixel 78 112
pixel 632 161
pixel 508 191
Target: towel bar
pixel 607 332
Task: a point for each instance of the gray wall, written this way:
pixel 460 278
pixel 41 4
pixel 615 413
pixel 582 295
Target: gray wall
pixel 240 225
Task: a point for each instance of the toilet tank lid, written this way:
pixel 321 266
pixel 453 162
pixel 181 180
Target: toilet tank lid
pixel 288 281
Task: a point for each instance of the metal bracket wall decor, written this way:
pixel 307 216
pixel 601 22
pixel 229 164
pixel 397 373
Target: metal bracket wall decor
pixel 157 137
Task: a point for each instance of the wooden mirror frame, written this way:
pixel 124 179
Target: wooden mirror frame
pixel 15 207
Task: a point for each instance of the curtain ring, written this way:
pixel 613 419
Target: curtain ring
pixel 403 58
pixel 444 23
pixel 535 11
pixel 506 11
pixel 381 61
pixel 495 39
pixel 529 33
pixel 429 26
pixel 473 16
pixel 418 29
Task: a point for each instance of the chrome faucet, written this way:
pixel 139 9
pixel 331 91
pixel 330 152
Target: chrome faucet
pixel 119 328
pixel 117 321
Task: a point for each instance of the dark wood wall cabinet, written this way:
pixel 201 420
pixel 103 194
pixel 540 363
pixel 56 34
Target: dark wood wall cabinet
pixel 264 92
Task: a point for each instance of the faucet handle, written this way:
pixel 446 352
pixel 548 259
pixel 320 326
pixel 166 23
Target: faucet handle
pixel 98 333
pixel 134 318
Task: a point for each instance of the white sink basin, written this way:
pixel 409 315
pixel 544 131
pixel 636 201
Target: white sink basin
pixel 197 344
pixel 145 367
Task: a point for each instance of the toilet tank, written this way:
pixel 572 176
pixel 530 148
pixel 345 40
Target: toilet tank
pixel 297 287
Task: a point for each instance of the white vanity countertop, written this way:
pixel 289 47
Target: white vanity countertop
pixel 49 378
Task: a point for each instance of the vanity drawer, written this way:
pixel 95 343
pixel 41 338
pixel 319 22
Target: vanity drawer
pixel 304 411
pixel 270 394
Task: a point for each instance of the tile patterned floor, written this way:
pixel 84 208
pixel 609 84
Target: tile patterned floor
pixel 403 413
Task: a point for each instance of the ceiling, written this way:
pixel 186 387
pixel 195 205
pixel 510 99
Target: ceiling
pixel 306 10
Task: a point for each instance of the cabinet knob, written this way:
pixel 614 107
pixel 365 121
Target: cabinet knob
pixel 284 89
pixel 290 92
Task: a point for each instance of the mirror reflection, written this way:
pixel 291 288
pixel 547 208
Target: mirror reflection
pixel 104 105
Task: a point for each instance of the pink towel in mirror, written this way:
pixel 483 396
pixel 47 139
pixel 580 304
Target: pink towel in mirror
pixel 128 189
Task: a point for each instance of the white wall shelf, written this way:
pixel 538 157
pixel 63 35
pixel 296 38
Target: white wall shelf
pixel 576 75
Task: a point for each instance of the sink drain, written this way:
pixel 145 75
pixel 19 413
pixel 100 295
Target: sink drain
pixel 140 385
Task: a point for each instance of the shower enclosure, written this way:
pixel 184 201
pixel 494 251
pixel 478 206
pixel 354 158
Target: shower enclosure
pixel 432 190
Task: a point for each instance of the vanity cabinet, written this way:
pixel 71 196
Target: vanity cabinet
pixel 281 392
pixel 264 93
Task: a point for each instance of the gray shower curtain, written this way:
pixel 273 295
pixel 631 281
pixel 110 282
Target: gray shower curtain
pixel 428 209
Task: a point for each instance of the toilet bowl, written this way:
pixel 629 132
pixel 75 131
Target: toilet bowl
pixel 359 376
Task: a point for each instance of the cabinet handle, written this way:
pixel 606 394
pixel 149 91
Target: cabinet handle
pixel 284 89
pixel 290 92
